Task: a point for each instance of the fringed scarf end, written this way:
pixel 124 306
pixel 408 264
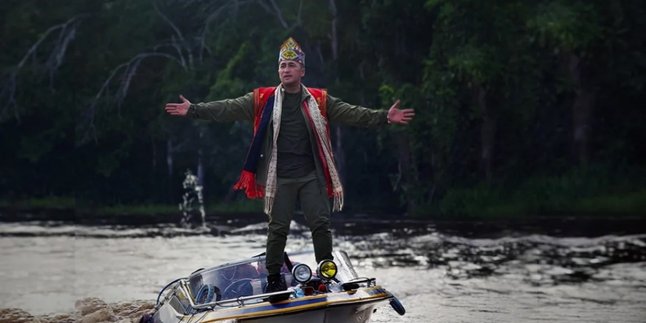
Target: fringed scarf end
pixel 248 183
pixel 269 202
pixel 337 202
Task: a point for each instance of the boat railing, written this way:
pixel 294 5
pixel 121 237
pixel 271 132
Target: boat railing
pixel 363 280
pixel 239 300
pixel 354 283
pixel 351 284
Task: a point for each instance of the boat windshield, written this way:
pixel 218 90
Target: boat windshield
pixel 249 277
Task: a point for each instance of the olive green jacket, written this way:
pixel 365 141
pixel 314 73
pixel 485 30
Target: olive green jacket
pixel 241 108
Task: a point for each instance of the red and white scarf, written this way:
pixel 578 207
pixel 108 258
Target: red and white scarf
pixel 318 123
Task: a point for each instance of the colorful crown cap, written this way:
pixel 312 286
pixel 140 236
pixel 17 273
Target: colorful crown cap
pixel 290 50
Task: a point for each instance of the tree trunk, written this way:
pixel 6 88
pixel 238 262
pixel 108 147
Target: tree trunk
pixel 339 154
pixel 333 32
pixel 487 133
pixel 581 112
pixel 169 168
pixel 200 161
pixel 406 170
pixel 154 154
pixel 338 131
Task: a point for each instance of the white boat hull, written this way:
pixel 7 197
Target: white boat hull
pixel 356 306
pixel 347 313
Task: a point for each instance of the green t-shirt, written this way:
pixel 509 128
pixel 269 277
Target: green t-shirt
pixel 294 147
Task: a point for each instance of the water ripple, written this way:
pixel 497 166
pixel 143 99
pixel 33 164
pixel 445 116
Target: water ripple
pixel 438 276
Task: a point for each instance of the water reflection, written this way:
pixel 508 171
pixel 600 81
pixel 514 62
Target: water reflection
pixel 439 276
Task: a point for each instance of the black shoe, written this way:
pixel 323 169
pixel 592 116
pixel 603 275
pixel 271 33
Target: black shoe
pixel 276 283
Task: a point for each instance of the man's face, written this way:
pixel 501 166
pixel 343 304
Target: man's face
pixel 290 72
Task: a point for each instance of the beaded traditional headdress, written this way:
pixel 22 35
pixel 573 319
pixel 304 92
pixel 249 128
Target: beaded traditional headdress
pixel 290 50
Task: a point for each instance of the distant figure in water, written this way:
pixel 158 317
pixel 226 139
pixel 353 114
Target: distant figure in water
pixel 192 195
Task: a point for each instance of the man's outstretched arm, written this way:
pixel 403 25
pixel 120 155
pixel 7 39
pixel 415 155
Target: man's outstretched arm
pixel 354 115
pixel 223 110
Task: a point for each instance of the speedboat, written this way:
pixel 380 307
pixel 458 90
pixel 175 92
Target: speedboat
pixel 330 291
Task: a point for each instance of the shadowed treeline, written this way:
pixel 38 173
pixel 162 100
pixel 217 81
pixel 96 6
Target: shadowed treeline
pixel 523 107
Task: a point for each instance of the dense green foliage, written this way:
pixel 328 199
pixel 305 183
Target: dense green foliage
pixel 523 107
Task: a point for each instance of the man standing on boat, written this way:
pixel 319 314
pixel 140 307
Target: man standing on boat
pixel 290 158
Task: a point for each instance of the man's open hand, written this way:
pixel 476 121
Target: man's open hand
pixel 178 109
pixel 400 116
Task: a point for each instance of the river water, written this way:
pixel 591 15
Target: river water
pixel 454 273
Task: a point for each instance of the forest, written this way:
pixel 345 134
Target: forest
pixel 522 107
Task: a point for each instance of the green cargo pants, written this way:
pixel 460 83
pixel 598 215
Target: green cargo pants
pixel 316 208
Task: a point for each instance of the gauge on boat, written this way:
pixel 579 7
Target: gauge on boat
pixel 205 294
pixel 302 273
pixel 326 269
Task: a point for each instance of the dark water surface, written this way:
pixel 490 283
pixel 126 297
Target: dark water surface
pixel 552 270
